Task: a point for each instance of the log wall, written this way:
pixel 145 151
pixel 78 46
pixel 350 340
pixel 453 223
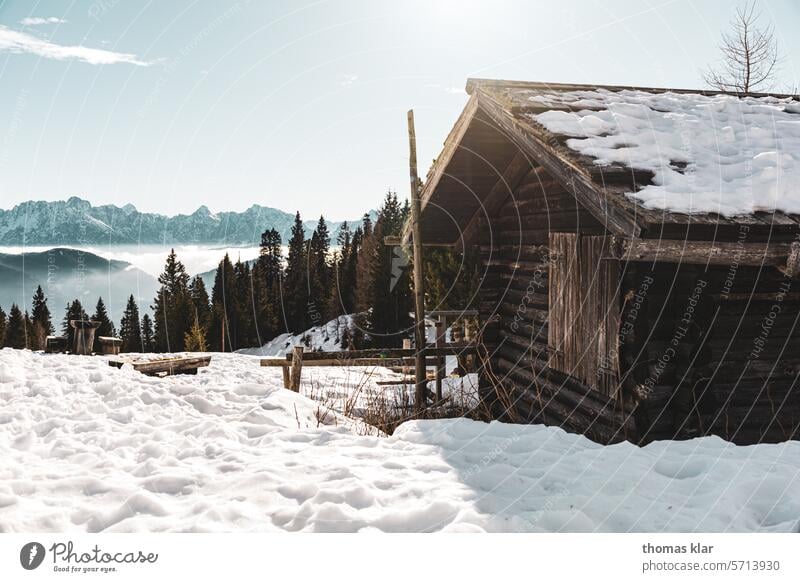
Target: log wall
pixel 515 300
pixel 699 350
pixel 712 351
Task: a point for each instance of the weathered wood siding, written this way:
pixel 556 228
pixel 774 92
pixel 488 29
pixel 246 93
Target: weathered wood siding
pixel 585 310
pixel 712 351
pixel 515 307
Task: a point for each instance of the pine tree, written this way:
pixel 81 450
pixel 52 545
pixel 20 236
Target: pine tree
pixel 15 329
pixel 200 302
pixel 74 311
pixel 244 312
pixel 388 297
pixel 195 340
pixel 223 307
pixel 349 282
pixel 364 266
pixel 319 273
pixel 266 277
pixel 271 257
pixel 106 327
pixel 451 280
pixel 172 306
pixel 337 303
pixel 295 283
pixel 30 338
pixel 3 321
pixel 130 330
pixel 148 345
pixel 40 320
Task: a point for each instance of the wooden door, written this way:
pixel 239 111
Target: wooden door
pixel 583 326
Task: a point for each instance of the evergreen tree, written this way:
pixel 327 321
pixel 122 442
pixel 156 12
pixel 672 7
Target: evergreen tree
pixel 223 307
pixel 338 303
pixel 3 320
pixel 195 340
pixel 30 339
pixel 200 302
pixel 451 279
pixel 365 270
pixel 349 282
pixel 295 283
pixel 148 344
pixel 388 297
pixel 243 312
pixel 40 319
pixel 106 327
pixel 319 273
pixel 271 257
pixel 15 329
pixel 130 330
pixel 267 274
pixel 172 307
pixel 74 311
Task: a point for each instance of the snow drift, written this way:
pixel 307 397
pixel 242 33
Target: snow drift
pixel 85 447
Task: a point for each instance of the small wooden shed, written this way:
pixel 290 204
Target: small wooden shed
pixel 622 296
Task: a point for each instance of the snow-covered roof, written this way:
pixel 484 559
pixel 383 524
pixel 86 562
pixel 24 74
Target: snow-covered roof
pixel 708 153
pixel 644 162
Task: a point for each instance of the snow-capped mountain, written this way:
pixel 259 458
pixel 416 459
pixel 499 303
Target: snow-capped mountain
pixel 77 222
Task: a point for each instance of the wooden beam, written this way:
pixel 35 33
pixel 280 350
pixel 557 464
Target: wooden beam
pixel 397 241
pixel 168 366
pixel 419 291
pixel 378 354
pixel 507 183
pixel 753 254
pixel 331 361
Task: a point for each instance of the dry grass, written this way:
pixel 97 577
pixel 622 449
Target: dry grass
pixel 371 406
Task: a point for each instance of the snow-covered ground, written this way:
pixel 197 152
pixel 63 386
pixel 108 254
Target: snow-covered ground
pixel 352 391
pixel 86 447
pixel 326 338
pixel 714 153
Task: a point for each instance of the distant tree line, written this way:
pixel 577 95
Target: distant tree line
pixel 250 303
pixel 30 329
pixel 313 283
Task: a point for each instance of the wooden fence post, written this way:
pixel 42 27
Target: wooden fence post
pixel 287 378
pixel 297 366
pixel 441 331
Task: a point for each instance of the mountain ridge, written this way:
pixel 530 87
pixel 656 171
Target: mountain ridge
pixel 76 221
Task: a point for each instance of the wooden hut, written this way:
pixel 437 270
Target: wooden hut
pixel 614 300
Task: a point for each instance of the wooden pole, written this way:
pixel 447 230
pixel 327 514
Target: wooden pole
pixel 441 331
pixel 297 367
pixel 420 376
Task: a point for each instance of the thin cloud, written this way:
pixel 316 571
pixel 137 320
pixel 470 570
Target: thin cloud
pixel 37 20
pixel 13 41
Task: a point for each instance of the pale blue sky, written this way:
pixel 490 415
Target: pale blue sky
pixel 301 105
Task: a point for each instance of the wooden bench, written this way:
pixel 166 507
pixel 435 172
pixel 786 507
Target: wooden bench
pixel 109 346
pixel 55 345
pixel 165 366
